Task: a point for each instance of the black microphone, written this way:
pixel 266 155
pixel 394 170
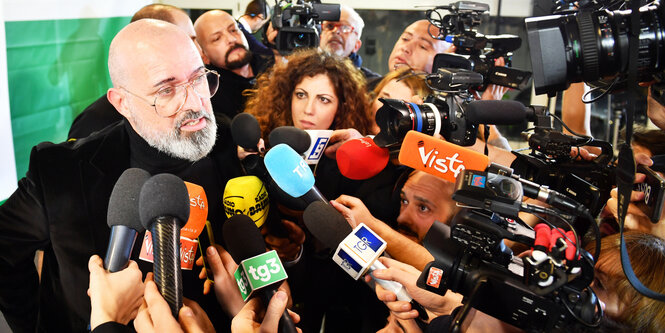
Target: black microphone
pixel 164 210
pixel 503 112
pixel 295 138
pixel 330 227
pixel 123 218
pixel 542 193
pixel 246 131
pixel 243 240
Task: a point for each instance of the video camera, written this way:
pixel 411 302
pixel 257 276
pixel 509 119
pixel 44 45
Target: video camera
pixel 443 112
pixel 479 50
pixel 550 163
pixel 591 45
pixel 545 291
pixel 297 23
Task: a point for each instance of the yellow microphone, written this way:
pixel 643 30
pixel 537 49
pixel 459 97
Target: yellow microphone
pixel 247 195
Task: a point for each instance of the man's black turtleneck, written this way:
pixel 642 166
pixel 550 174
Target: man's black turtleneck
pixel 205 172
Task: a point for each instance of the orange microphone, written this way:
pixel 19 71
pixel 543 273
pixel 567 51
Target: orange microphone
pixel 437 157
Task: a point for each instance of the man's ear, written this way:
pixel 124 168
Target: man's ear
pixel 359 43
pixel 117 99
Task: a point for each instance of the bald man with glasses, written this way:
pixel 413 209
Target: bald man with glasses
pixel 162 90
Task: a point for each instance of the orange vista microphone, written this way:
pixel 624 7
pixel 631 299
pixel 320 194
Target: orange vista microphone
pixel 437 157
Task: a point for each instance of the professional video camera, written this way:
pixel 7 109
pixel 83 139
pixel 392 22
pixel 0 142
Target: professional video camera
pixel 458 28
pixel 298 22
pixel 550 163
pixel 544 291
pixel 443 112
pixel 591 45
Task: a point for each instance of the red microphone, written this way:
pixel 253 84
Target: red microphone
pixel 361 159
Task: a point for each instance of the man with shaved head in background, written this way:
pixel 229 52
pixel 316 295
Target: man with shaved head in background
pixel 416 49
pixel 223 51
pixel 162 90
pixel 101 113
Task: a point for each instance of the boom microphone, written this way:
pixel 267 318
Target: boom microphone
pixel 437 157
pixel 295 138
pixel 502 112
pixel 244 241
pixel 246 131
pixel 123 218
pixel 496 112
pixel 361 159
pixel 164 208
pixel 292 174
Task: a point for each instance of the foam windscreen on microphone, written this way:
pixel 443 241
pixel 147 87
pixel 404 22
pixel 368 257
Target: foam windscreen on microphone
pixel 124 201
pixel 243 240
pixel 245 131
pixel 247 195
pixel 496 112
pixel 289 171
pixel 361 159
pixel 163 195
pixel 295 138
pixel 326 224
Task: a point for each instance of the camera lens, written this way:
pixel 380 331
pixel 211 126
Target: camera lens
pixel 395 118
pixel 591 45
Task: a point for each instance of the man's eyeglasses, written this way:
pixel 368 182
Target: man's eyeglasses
pixel 169 100
pixel 343 28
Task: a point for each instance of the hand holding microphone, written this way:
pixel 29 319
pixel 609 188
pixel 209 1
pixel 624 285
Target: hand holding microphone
pixel 113 296
pixel 407 276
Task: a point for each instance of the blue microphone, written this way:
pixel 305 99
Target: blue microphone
pixel 291 173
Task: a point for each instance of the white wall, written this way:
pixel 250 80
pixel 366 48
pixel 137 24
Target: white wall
pixel 519 8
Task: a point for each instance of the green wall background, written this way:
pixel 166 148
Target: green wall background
pixel 55 69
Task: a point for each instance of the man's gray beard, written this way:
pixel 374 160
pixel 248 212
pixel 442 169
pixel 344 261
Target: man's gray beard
pixel 192 147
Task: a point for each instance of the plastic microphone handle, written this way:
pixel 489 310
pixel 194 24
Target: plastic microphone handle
pixel 120 248
pixel 168 275
pixel 395 287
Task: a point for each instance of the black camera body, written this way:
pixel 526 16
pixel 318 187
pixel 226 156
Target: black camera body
pixel 297 24
pixel 481 51
pixel 442 112
pixel 591 45
pixel 473 262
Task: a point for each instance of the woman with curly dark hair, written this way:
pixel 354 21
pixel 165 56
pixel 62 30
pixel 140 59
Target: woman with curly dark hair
pixel 313 90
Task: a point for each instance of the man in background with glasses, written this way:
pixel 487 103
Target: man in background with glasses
pixel 343 38
pixel 162 90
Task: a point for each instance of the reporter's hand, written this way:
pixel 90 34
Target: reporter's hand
pixel 113 296
pixel 251 319
pixel 242 153
pixel 226 289
pixel 155 314
pixel 354 211
pixel 287 248
pixel 407 276
pixel 338 138
pixel 193 318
